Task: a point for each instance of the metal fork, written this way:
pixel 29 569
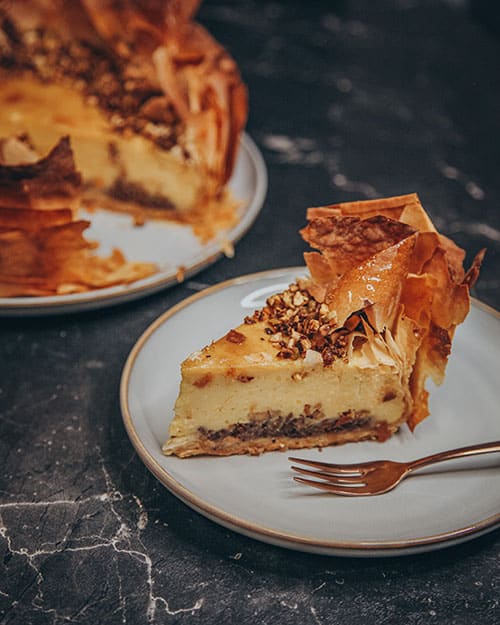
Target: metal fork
pixel 377 477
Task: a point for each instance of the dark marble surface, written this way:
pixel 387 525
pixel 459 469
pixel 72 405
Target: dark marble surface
pixel 348 100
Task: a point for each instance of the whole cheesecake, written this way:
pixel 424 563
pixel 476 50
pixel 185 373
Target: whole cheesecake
pixel 153 104
pixel 340 356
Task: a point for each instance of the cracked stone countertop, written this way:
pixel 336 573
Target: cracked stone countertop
pixel 348 100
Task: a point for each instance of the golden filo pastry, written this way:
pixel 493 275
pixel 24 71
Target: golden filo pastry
pixel 43 250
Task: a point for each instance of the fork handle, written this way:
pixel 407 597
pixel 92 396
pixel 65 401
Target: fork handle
pixel 460 452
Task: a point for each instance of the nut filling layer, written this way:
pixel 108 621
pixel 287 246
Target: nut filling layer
pixel 292 426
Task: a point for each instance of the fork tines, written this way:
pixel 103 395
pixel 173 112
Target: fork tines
pixel 331 469
pixel 345 479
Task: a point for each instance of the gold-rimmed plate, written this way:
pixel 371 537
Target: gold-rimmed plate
pixel 170 246
pixel 256 495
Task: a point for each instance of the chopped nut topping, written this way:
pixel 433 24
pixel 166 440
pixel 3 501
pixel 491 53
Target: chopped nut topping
pixel 389 395
pixel 245 378
pixel 296 323
pixel 131 103
pixel 298 299
pixel 203 381
pixel 233 336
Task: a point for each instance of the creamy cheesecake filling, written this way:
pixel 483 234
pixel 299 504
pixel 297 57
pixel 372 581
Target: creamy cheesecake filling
pixel 212 404
pixel 130 102
pixel 111 162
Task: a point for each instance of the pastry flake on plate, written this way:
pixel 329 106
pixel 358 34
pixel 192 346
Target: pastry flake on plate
pixel 43 250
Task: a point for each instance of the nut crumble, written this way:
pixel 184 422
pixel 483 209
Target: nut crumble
pixel 132 104
pixel 296 323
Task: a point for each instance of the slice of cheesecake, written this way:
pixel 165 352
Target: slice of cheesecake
pixel 153 104
pixel 340 356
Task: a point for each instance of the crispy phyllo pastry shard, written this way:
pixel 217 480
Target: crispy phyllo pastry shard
pixel 43 250
pixel 153 104
pixel 27 181
pixel 342 355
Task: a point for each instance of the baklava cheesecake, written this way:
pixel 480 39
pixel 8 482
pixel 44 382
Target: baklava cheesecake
pixel 342 355
pixel 153 105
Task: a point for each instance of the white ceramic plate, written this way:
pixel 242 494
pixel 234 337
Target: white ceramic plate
pixel 256 495
pixel 169 245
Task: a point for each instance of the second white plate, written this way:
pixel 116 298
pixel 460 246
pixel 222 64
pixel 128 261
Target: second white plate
pixel 256 495
pixel 167 244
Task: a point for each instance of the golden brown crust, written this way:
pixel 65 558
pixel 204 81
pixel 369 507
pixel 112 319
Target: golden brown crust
pixel 362 262
pixel 386 257
pixel 33 219
pixel 347 241
pixel 374 286
pixel 57 259
pixel 231 445
pixel 404 208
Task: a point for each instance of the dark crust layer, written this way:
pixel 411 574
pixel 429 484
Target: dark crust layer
pixel 291 426
pixel 132 192
pixel 230 445
pixel 132 104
